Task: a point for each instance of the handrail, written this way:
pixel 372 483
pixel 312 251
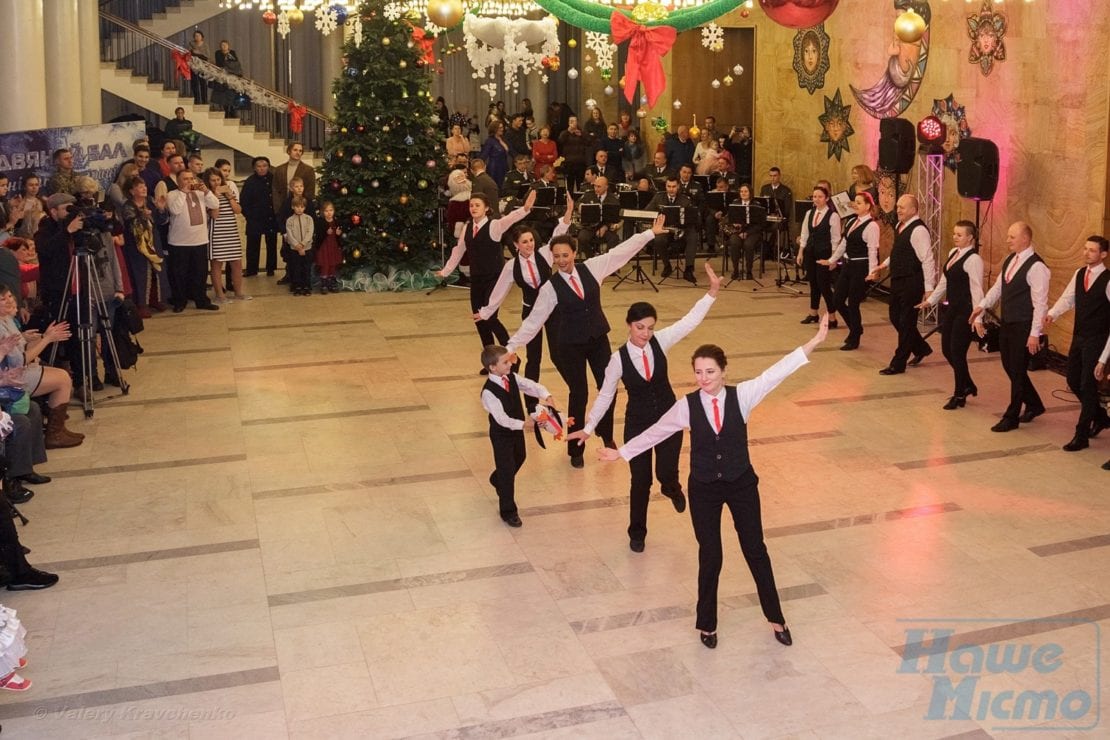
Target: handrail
pixel 155 39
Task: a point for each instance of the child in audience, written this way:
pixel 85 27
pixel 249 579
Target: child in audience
pixel 328 250
pixel 299 229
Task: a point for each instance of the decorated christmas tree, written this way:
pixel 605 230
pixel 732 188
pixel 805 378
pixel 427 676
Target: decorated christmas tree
pixel 382 164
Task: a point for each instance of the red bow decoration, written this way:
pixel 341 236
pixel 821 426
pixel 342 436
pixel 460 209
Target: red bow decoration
pixel 181 64
pixel 296 116
pixel 646 50
pixel 427 45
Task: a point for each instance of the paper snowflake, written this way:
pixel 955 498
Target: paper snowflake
pixel 600 45
pixel 431 29
pixel 327 20
pixel 713 37
pixel 283 24
pixel 393 11
pixel 356 30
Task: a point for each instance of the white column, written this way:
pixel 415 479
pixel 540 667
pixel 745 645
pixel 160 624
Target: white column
pixel 63 62
pixel 331 47
pixel 23 84
pixel 88 22
pixel 535 90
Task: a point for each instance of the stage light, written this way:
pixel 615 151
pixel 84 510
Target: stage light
pixel 931 131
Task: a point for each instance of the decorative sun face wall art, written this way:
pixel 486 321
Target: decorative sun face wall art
pixel 835 126
pixel 954 116
pixel 986 30
pixel 811 57
pixel 907 59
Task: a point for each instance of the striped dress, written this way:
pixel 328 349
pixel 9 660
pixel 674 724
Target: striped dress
pixel 223 234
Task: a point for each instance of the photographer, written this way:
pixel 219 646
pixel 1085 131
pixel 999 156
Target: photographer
pixel 189 207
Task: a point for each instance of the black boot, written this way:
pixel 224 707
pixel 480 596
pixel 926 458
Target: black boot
pixel 20 576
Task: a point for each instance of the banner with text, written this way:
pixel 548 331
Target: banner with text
pixel 98 151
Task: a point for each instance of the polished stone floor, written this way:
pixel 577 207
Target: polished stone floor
pixel 285 530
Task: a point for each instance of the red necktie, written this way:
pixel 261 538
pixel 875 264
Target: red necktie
pixel 475 230
pixel 647 367
pixel 506 381
pixel 535 282
pixel 815 215
pixel 1087 280
pixel 574 284
pixel 1013 269
pixel 716 416
pixel 901 226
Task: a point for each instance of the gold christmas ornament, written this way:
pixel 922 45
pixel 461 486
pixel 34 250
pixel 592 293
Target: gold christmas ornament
pixel 445 13
pixel 572 43
pixel 909 27
pixel 295 16
pixel 727 79
pixel 403 199
pixel 385 41
pixel 356 253
pixel 648 12
pixel 402 64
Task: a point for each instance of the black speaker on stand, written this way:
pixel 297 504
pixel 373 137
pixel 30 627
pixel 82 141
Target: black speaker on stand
pixel 897 145
pixel 977 171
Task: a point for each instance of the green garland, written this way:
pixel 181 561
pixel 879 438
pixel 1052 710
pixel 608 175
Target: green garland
pixel 594 17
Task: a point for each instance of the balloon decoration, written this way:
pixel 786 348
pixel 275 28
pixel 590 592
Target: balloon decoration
pixel 445 13
pixel 798 13
pixel 909 27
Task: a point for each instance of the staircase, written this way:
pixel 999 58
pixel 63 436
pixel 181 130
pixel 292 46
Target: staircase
pixel 138 66
pixel 163 18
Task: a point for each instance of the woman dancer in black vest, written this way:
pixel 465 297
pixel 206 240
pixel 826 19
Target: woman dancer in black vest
pixel 530 269
pixel 961 282
pixel 482 238
pixel 820 231
pixel 582 332
pixel 860 249
pixel 641 363
pixel 721 473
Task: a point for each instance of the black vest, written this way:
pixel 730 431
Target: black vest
pixel 958 282
pixel 1092 310
pixel 904 263
pixel 718 456
pixel 510 401
pixel 1017 299
pixel 543 272
pixel 819 246
pixel 486 258
pixel 647 400
pixel 580 319
pixel 856 247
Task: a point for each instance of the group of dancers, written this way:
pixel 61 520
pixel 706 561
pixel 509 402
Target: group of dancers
pixel 563 296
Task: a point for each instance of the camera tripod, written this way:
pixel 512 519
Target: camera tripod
pixel 89 298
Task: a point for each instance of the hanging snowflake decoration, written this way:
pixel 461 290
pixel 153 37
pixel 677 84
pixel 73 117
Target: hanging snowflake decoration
pixel 600 45
pixel 393 11
pixel 713 37
pixel 327 20
pixel 356 30
pixel 518 46
pixel 431 29
pixel 283 24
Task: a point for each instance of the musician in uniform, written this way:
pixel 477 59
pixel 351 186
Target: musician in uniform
pixel 686 234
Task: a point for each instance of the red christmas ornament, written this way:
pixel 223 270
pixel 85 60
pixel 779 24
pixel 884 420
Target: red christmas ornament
pixel 269 17
pixel 360 128
pixel 356 219
pixel 356 159
pixel 798 13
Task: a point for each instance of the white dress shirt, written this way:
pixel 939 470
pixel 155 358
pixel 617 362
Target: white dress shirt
pixel 667 338
pixel 974 269
pixel 834 227
pixel 493 405
pixel 922 245
pixel 182 232
pixel 601 267
pixel 505 279
pixel 497 230
pixel 1066 301
pixel 1037 278
pixel 748 394
pixel 870 238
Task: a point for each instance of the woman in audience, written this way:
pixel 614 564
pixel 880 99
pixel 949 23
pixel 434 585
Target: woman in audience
pixel 595 125
pixel 495 152
pixel 457 143
pixel 544 151
pixel 117 191
pixel 224 244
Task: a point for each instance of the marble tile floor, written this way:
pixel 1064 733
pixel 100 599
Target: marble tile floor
pixel 285 530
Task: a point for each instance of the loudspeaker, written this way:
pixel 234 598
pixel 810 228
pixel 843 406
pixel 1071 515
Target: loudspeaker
pixel 897 140
pixel 977 173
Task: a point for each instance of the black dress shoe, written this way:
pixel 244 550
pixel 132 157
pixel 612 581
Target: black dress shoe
pixel 35 479
pixel 809 320
pixel 112 380
pixel 784 636
pixel 710 641
pixel 208 307
pixel 1077 443
pixel 1006 425
pixel 1106 465
pixel 678 499
pixel 16 493
pixel 891 371
pixel 955 402
pixel 1098 425
pixel 178 309
pixel 636 545
pixel 610 444
pixel 735 275
pixel 576 461
pixel 688 276
pixel 1030 415
pixel 513 520
pixel 250 274
pixel 917 358
pixel 97 384
pixel 32 579
pixel 833 324
pixel 849 346
pixel 284 280
pixel 667 270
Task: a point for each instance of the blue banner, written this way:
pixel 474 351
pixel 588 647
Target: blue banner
pixel 98 151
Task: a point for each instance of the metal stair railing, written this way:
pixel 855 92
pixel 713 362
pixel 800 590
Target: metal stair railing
pixel 130 47
pixel 136 10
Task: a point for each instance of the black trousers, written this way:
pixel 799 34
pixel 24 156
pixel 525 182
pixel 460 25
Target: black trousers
pixel 571 361
pixel 820 285
pixel 1012 338
pixel 1082 358
pixel 588 239
pixel 534 350
pixel 299 269
pixel 955 338
pixel 574 172
pixel 747 248
pixel 905 294
pixel 851 287
pixel 189 274
pixel 666 245
pixel 508 456
pixel 254 252
pixel 666 471
pixel 490 331
pixel 25 447
pixel 742 498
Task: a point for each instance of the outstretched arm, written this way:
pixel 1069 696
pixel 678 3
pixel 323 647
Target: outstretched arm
pixel 675 419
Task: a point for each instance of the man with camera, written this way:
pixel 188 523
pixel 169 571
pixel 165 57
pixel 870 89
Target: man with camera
pixel 188 209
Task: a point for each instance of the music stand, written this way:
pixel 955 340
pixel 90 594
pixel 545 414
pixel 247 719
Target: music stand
pixel 590 214
pixel 702 180
pixel 636 274
pixel 718 200
pixel 545 197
